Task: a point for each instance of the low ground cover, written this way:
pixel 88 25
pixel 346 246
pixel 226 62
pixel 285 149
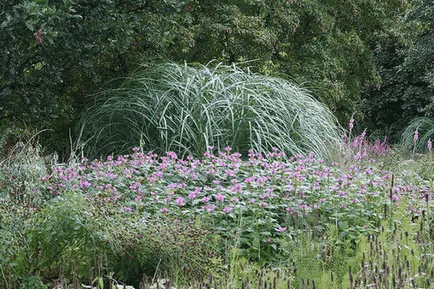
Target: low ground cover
pixel 219 221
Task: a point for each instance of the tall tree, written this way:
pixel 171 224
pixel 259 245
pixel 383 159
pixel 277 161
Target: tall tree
pixel 55 53
pixel 323 44
pixel 405 61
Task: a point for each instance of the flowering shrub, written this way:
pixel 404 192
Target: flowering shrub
pixel 259 198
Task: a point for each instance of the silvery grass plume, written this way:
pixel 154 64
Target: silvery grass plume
pixel 185 109
pixel 418 134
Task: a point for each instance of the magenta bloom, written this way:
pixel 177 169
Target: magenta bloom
pixel 192 195
pixel 282 229
pixel 219 197
pixel 180 201
pixel 210 208
pixel 227 209
pixel 164 210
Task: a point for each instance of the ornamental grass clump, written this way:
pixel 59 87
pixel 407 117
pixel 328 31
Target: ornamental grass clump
pixel 171 107
pixel 418 134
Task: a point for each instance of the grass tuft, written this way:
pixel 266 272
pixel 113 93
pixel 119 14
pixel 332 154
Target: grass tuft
pixel 171 107
pixel 425 128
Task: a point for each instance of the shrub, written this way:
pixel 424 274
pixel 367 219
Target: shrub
pixel 74 239
pixel 185 109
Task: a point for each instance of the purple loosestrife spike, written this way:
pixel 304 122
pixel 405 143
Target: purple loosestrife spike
pixel 351 124
pixel 416 136
pixel 429 145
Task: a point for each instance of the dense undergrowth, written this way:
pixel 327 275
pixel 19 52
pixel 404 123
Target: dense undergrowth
pixel 219 221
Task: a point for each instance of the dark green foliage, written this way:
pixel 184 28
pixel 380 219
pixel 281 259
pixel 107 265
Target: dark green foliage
pixel 321 44
pixel 55 53
pixel 405 61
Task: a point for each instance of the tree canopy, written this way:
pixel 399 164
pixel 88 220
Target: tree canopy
pixel 405 62
pixel 56 53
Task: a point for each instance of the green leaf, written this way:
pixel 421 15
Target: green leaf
pixel 343 225
pixel 29 26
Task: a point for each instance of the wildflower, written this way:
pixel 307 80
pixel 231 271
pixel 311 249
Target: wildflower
pixel 192 195
pixel 282 229
pixel 220 197
pixel 311 155
pixel 351 124
pixel 128 209
pixel 180 201
pixel 210 208
pixel 262 204
pixel 416 136
pixel 291 211
pixel 364 154
pixel 429 145
pixel 164 210
pixel 227 209
pixel 85 184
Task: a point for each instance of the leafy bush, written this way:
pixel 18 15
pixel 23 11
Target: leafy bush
pixel 185 109
pixel 73 239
